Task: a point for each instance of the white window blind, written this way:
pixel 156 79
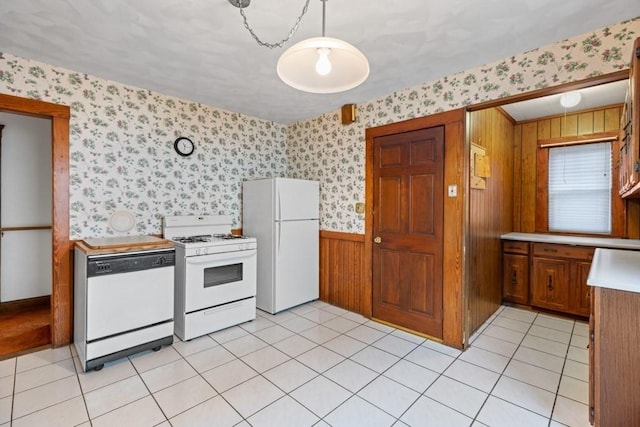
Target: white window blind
pixel 580 188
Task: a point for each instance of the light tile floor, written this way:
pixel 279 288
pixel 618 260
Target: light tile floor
pixel 317 365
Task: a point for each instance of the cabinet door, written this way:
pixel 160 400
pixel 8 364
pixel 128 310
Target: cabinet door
pixel 550 287
pixel 515 281
pixel 583 291
pixel 630 132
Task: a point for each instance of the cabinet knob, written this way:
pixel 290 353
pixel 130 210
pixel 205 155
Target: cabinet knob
pixel 377 239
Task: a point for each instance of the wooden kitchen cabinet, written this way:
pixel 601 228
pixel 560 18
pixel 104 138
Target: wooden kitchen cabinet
pixel 550 286
pixel 629 161
pixel 614 348
pixel 559 278
pixel 583 297
pixel 515 268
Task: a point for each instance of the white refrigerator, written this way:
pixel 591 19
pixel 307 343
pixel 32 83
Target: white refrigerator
pixel 283 215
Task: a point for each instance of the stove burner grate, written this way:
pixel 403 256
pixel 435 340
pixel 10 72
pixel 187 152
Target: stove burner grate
pixel 193 239
pixel 229 236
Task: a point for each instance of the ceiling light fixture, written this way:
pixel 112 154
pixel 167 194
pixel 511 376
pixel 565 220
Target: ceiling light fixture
pixel 323 64
pixel 319 64
pixel 570 99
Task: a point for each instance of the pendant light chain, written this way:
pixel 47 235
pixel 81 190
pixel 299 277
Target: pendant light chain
pixel 281 42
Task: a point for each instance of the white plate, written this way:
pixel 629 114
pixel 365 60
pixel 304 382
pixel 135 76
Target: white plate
pixel 122 221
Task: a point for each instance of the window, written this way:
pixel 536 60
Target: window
pixel 579 188
pixel 576 191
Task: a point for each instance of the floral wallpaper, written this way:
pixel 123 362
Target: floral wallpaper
pixel 324 149
pixel 122 137
pixel 122 156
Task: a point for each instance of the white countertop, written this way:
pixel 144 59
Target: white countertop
pixel 615 269
pixel 598 242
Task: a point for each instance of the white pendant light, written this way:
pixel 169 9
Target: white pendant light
pixel 323 64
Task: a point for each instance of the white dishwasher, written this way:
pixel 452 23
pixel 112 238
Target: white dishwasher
pixel 123 297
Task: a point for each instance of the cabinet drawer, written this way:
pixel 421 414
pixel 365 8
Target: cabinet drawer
pixel 563 251
pixel 515 247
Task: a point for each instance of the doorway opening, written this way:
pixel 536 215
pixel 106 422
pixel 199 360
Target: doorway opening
pixel 60 308
pixel 25 232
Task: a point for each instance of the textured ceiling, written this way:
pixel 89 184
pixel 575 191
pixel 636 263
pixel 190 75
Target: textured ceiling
pixel 199 49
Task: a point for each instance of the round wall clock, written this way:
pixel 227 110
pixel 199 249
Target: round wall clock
pixel 184 146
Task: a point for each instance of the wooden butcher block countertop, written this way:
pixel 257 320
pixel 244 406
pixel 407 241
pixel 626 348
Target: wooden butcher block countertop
pixel 108 245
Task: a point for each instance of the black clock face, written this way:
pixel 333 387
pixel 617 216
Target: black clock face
pixel 184 146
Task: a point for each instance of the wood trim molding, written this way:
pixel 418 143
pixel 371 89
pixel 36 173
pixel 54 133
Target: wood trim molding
pixel 353 237
pixel 578 139
pixel 33 107
pixel 62 295
pixel 506 115
pixel 62 286
pixel 455 172
pixel 542 195
pixel 37 227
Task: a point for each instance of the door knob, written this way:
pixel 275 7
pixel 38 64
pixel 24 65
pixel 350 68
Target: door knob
pixel 378 239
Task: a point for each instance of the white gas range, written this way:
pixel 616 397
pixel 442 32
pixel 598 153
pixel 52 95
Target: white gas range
pixel 215 274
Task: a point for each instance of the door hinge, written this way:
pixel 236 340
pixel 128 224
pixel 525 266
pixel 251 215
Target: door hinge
pixel 636 166
pixel 638 52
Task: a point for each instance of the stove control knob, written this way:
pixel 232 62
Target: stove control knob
pixel 205 251
pixel 197 251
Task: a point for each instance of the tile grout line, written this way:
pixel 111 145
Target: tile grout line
pixel 564 363
pixel 44 384
pixel 82 393
pixel 503 371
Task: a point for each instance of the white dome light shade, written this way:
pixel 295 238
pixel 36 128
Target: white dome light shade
pixel 570 99
pixel 348 66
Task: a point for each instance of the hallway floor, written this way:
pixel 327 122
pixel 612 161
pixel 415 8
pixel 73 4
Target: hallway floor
pixel 24 328
pixel 317 365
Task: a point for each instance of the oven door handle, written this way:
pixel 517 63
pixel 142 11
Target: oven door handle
pixel 206 259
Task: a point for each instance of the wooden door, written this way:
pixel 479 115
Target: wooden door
pixel 515 281
pixel 550 287
pixel 408 187
pixel 583 291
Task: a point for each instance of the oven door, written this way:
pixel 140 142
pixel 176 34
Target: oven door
pixel 219 278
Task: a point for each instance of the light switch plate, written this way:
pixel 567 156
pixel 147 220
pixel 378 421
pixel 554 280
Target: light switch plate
pixel 453 190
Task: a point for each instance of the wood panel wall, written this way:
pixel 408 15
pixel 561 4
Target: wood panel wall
pixel 342 269
pixel 490 213
pixel 526 137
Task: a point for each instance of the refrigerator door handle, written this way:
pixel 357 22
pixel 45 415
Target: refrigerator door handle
pixel 279 207
pixel 279 226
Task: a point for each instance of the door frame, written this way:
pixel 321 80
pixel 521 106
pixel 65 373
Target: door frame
pixel 456 167
pixel 62 287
